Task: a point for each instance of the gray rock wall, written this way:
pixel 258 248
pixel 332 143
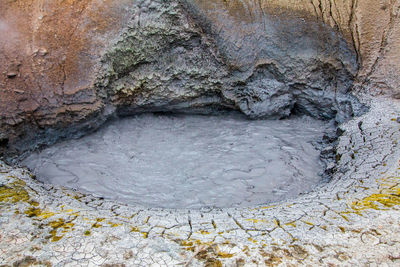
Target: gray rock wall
pixel 175 56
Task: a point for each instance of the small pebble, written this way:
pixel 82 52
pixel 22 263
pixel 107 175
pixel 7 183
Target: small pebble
pixel 11 74
pixel 42 51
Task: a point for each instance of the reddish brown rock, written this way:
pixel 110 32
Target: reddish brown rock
pixel 49 53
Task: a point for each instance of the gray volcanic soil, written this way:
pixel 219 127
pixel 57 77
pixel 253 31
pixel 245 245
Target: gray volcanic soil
pixel 189 161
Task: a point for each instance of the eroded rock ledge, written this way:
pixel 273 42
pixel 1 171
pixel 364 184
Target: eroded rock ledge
pixel 68 67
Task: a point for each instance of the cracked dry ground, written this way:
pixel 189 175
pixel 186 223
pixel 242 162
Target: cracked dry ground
pixel 351 221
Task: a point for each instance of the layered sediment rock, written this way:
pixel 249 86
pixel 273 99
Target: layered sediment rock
pixel 49 54
pixel 67 66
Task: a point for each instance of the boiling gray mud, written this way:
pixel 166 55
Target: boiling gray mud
pixel 189 161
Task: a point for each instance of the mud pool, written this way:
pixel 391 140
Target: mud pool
pixel 189 161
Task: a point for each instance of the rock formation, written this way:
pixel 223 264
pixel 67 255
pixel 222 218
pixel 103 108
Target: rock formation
pixel 68 65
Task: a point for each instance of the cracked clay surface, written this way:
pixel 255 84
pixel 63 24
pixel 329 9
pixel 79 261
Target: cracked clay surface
pixel 353 220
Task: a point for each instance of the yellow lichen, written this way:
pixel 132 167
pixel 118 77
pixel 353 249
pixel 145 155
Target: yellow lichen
pixel 293 224
pixel 377 201
pixel 267 207
pixel 252 240
pixel 47 214
pixel 33 212
pixel 13 192
pixel 387 197
pixel 185 243
pixel 37 212
pixel 96 225
pixel 57 224
pixel 345 217
pixel 137 230
pixel 112 224
pixel 225 255
pixel 54 236
pixel 34 203
pixel 69 210
pixel 308 223
pixel 17 181
pixel 134 229
pixel 256 220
